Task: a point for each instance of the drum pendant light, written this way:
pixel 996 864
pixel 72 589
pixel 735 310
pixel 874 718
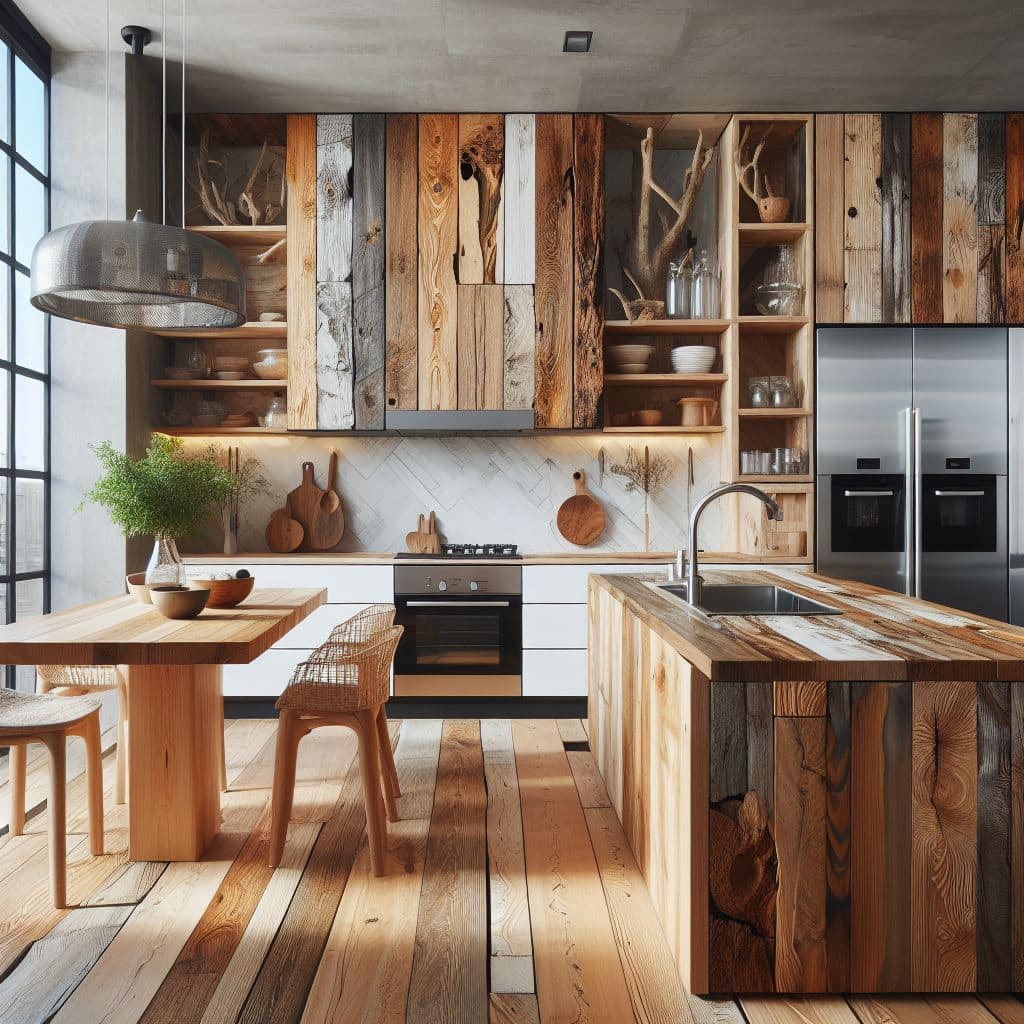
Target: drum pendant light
pixel 133 274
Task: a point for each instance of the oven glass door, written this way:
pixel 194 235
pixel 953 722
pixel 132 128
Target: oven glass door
pixel 460 636
pixel 959 512
pixel 868 512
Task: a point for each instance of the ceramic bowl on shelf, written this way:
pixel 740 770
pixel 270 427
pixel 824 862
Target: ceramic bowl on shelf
pixel 181 373
pixel 693 358
pixel 272 364
pixel 622 356
pixel 237 363
pixel 632 368
pixel 648 417
pixel 224 593
pixel 178 602
pixel 231 375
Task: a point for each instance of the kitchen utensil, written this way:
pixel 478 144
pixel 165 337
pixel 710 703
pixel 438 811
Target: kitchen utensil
pixel 329 526
pixel 225 593
pixel 284 534
pixel 648 417
pixel 137 587
pixel 580 519
pixel 178 602
pixel 697 412
pixel 304 503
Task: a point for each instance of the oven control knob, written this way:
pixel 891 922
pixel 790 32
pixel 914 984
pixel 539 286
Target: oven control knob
pixel 441 585
pixel 473 585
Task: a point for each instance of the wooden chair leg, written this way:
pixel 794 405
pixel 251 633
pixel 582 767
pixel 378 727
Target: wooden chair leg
pixel 90 733
pixel 121 757
pixel 221 747
pixel 369 769
pixel 388 772
pixel 55 809
pixel 17 760
pixel 285 755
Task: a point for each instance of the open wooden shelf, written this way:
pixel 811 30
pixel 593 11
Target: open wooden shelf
pixel 220 385
pixel 771 234
pixel 775 478
pixel 771 324
pixel 242 234
pixel 664 430
pixel 655 380
pixel 255 330
pixel 215 431
pixel 775 414
pixel 646 327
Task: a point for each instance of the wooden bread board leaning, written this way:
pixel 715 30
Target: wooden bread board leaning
pixel 329 525
pixel 283 534
pixel 424 540
pixel 580 519
pixel 304 505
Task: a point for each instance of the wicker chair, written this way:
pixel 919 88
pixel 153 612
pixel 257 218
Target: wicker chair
pixel 341 684
pixel 79 680
pixel 37 718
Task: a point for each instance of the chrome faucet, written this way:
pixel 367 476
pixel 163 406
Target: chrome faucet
pixel 694 582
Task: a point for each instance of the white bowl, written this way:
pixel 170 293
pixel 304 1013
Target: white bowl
pixel 693 358
pixel 271 369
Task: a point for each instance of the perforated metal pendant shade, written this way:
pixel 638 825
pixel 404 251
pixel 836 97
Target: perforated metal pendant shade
pixel 137 275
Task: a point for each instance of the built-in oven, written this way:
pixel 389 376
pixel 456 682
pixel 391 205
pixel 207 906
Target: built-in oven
pixel 463 630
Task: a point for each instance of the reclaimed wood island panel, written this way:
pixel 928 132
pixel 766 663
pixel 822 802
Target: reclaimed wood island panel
pixel 821 804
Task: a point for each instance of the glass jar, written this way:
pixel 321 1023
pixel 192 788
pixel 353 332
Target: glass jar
pixel 780 292
pixel 705 303
pixel 677 291
pixel 276 415
pixel 782 394
pixel 165 564
pixel 195 359
pixel 760 396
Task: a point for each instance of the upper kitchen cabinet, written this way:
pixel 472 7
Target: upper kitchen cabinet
pixel 919 218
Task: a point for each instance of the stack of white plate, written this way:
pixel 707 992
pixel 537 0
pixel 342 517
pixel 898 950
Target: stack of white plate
pixel 693 358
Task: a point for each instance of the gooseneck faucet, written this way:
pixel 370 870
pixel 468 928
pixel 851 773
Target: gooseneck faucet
pixel 693 579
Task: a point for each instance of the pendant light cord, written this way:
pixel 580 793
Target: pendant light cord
pixel 163 111
pixel 184 4
pixel 106 112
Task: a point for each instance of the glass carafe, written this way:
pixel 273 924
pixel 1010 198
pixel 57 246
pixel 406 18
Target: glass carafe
pixel 705 304
pixel 780 292
pixel 677 291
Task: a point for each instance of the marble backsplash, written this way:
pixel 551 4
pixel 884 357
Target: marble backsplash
pixel 500 489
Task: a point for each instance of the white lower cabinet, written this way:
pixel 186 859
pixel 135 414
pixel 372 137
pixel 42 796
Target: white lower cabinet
pixel 555 673
pixel 557 626
pixel 267 676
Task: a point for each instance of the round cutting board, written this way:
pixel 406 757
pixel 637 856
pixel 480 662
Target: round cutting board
pixel 580 518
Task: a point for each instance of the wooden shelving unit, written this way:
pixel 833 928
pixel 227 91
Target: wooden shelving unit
pixel 243 234
pixel 220 385
pixel 255 331
pixel 654 380
pixel 646 328
pixel 215 431
pixel 714 429
pixel 773 414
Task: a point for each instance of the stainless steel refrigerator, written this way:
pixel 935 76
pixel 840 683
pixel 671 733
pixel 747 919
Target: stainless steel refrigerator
pixel 912 462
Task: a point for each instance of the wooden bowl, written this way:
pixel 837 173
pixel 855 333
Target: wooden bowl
pixel 178 602
pixel 138 587
pixel 648 417
pixel 773 209
pixel 225 593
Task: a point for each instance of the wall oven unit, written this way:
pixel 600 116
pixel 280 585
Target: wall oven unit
pixel 912 456
pixel 463 630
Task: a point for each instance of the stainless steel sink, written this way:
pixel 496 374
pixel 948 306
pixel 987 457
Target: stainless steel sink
pixel 750 599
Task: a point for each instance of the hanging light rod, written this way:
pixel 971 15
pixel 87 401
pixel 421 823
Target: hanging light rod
pixel 134 274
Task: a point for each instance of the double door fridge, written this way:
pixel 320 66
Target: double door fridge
pixel 913 457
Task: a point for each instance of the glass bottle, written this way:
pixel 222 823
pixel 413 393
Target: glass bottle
pixel 276 415
pixel 677 291
pixel 165 565
pixel 705 304
pixel 780 292
pixel 195 359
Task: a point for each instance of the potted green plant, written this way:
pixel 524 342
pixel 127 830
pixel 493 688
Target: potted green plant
pixel 165 495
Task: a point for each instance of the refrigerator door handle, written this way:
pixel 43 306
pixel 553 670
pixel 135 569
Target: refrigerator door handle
pixel 960 494
pixel 909 547
pixel 918 505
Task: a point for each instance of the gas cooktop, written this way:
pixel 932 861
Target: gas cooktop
pixel 468 551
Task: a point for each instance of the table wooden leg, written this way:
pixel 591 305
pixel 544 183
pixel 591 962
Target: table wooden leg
pixel 173 754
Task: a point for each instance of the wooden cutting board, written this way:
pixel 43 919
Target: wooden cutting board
pixel 329 525
pixel 580 518
pixel 304 504
pixel 284 534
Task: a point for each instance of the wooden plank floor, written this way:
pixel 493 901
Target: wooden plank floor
pixel 513 898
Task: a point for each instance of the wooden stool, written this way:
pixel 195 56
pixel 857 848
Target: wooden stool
pixel 341 684
pixel 39 718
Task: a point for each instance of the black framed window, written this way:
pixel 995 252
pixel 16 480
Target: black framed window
pixel 24 332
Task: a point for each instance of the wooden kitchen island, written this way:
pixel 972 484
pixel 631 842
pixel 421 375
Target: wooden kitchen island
pixel 822 804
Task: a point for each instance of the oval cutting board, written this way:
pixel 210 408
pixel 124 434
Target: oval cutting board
pixel 580 518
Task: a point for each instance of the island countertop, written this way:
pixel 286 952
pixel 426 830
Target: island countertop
pixel 880 635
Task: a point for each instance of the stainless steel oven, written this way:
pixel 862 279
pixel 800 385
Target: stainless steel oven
pixel 463 630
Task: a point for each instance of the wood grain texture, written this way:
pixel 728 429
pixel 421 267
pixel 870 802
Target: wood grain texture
pixel 960 218
pixel 335 374
pixel 880 837
pixel 837 828
pixel 801 700
pixel 368 260
pixel 727 771
pixel 513 1009
pixel 554 270
pixel 300 172
pixel 863 234
pixel 944 859
pixel 1017 830
pixel 481 205
pixel 896 236
pixel 481 328
pixel 995 899
pixel 800 841
pixel 587 777
pixel 1015 218
pixel 334 197
pixel 401 192
pixel 829 218
pixel 519 333
pixel 579 974
pixel 926 217
pixel 991 218
pixel 520 174
pixel 450 966
pixel 797 1010
pixel 588 249
pixel 438 242
pixel 761 742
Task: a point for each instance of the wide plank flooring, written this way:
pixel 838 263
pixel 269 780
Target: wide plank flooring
pixel 513 898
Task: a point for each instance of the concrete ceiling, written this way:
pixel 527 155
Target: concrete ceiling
pixel 647 55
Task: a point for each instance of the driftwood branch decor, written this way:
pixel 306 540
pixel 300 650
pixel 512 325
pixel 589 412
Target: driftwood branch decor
pixel 259 200
pixel 645 267
pixel 772 208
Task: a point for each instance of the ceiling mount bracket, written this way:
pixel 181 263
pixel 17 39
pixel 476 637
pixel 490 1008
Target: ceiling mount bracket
pixel 137 37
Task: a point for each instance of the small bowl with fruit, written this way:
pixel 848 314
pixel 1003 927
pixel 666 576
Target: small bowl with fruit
pixel 226 589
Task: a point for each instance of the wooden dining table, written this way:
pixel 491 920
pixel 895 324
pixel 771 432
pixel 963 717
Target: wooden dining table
pixel 175 694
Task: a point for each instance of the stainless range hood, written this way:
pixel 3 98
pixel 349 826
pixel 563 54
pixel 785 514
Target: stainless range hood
pixel 459 421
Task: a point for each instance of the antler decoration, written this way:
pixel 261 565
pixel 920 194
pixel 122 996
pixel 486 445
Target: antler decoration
pixel 749 167
pixel 648 270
